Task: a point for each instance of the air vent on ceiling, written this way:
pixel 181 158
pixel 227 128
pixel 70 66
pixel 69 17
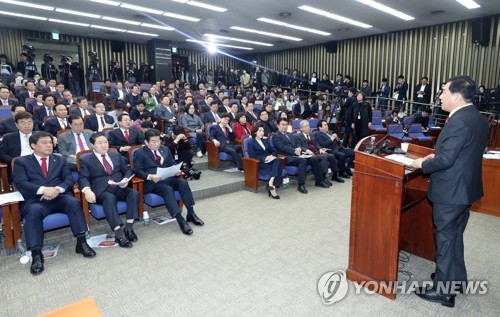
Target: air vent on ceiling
pixel 110 33
pixel 285 14
pixel 437 12
pixel 223 31
pixel 140 16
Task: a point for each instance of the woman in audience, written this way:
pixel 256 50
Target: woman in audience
pixel 192 122
pixel 259 148
pixel 362 118
pixel 242 127
pixel 149 102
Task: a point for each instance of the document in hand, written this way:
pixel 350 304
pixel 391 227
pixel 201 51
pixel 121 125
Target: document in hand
pixel 166 172
pixel 122 182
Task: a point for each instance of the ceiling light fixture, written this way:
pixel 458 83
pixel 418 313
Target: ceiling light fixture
pixel 179 16
pixel 334 16
pixel 27 4
pixel 218 44
pixel 206 6
pixel 155 26
pixel 107 28
pixel 83 14
pixel 215 36
pixel 23 15
pixel 293 26
pixel 142 33
pixel 108 2
pixel 291 38
pixel 140 8
pixel 68 22
pixel 120 20
pixel 386 9
pixel 469 4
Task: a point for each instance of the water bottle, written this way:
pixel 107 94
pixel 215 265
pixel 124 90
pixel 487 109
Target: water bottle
pixel 145 218
pixel 20 248
pixel 372 141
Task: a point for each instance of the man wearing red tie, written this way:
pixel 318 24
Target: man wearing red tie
pixel 146 162
pixel 212 116
pixel 45 182
pixel 123 138
pixel 74 141
pixel 223 136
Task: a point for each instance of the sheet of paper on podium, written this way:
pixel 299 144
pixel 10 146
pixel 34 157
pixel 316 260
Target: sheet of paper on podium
pixel 166 172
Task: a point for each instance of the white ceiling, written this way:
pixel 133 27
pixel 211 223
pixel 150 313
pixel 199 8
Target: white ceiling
pixel 244 14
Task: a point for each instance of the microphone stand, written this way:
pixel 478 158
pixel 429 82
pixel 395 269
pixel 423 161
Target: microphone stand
pixel 377 147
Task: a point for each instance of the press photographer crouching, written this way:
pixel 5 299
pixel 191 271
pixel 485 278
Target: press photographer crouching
pixel 179 146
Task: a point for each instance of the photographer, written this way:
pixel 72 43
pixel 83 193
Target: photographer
pixel 27 65
pixel 179 146
pixel 70 74
pixel 132 72
pixel 49 70
pixel 144 73
pixel 94 70
pixel 115 71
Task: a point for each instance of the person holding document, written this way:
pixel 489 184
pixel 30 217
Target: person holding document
pixel 147 160
pixel 104 177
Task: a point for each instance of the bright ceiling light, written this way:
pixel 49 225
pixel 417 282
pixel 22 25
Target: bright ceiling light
pixel 293 26
pixel 212 49
pixel 334 16
pixel 180 1
pixel 386 9
pixel 142 33
pixel 120 20
pixel 291 38
pixel 469 4
pixel 140 8
pixel 68 22
pixel 218 44
pixel 111 3
pixel 106 28
pixel 155 26
pixel 207 6
pixel 83 14
pixel 179 16
pixel 23 15
pixel 214 36
pixel 27 4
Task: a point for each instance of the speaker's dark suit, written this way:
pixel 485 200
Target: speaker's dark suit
pixel 455 183
pixel 117 140
pixel 226 144
pixel 53 125
pixel 273 168
pixel 343 156
pixel 28 178
pixel 145 164
pixel 91 122
pixel 93 174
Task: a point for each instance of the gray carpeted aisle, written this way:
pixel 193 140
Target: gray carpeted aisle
pixel 255 256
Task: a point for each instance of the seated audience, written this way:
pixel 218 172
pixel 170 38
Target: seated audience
pixel 99 120
pixel 195 127
pixel 123 138
pixel 59 122
pixel 212 115
pixel 242 127
pixel 223 137
pixel 9 125
pixel 73 141
pixel 344 156
pixel 178 144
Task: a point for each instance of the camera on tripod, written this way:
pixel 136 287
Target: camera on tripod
pixel 64 59
pixel 113 63
pixel 30 52
pixel 93 57
pixel 47 58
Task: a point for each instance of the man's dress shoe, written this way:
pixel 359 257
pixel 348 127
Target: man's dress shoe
pixel 84 249
pixel 321 184
pixel 337 179
pixel 123 242
pixel 37 264
pixel 130 235
pixel 185 228
pixel 433 296
pixel 345 175
pixel 194 219
pixel 302 189
pixel 460 289
pixel 327 182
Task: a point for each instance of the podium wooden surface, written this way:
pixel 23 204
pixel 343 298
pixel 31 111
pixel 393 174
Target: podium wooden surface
pixel 490 202
pixel 389 213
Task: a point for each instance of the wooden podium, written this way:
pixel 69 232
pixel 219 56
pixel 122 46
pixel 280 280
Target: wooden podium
pixel 389 213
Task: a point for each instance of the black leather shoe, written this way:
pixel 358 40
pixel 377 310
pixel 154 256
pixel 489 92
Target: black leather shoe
pixel 460 289
pixel 84 249
pixel 185 228
pixel 123 242
pixel 37 264
pixel 433 296
pixel 194 219
pixel 130 235
pixel 337 179
pixel 302 189
pixel 326 181
pixel 345 175
pixel 321 184
pixel 348 171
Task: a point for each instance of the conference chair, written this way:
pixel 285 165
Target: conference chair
pixel 377 126
pixel 396 131
pixel 415 132
pixel 289 169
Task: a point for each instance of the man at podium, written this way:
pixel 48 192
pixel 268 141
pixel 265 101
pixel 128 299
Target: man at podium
pixel 455 183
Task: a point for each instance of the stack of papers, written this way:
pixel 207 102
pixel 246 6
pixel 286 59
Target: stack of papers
pixel 400 158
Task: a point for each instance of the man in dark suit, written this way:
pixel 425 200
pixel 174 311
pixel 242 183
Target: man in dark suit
pixel 9 125
pixel 401 90
pixel 45 111
pixel 223 136
pixel 286 144
pixel 422 117
pixel 5 97
pixel 50 88
pixel 45 182
pixel 29 93
pixel 383 94
pixel 346 114
pixel 250 114
pixel 59 122
pixel 83 109
pixel 212 116
pixel 123 138
pixel 302 110
pixel 59 94
pixel 99 120
pixel 132 97
pixel 95 171
pixel 146 162
pixel 422 94
pixel 344 156
pixel 71 142
pixel 206 104
pixel 455 183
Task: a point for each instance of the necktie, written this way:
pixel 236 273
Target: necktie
pixel 80 142
pixel 31 95
pixel 157 158
pixel 102 122
pixel 49 111
pixel 127 137
pixel 217 119
pixel 106 164
pixel 44 167
pixel 63 126
pixel 224 130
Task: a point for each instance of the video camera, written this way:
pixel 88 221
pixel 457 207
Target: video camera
pixel 113 62
pixel 131 63
pixel 64 59
pixel 30 51
pixel 47 58
pixel 93 57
